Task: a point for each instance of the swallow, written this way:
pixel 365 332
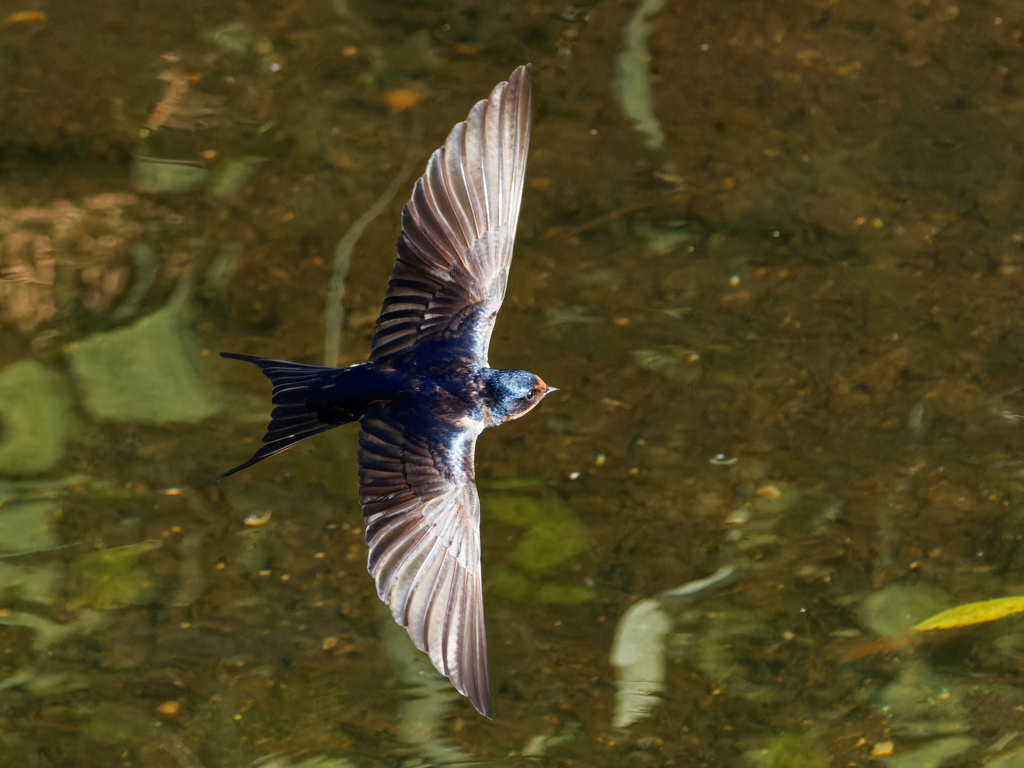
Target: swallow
pixel 427 390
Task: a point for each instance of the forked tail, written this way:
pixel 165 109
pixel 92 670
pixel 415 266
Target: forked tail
pixel 308 400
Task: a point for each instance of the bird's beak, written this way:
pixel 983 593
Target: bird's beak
pixel 547 390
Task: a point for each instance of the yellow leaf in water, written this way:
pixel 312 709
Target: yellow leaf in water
pixel 22 16
pixel 973 613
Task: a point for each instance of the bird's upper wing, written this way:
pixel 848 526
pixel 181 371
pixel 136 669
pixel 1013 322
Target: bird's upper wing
pixel 458 230
pixel 422 513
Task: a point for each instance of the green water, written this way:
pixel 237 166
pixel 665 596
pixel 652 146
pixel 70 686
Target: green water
pixel 773 260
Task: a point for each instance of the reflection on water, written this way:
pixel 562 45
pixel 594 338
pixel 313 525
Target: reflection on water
pixel 788 338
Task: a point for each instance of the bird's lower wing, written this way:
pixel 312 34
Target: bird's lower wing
pixel 422 514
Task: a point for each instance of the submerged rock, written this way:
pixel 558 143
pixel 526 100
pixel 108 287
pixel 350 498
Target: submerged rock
pixel 923 703
pixel 933 755
pixel 553 535
pixel 232 174
pixel 35 418
pixel 147 371
pixel 235 36
pixel 1012 759
pixel 634 81
pixel 639 649
pixel 32 583
pixel 791 751
pixel 665 236
pixel 638 654
pixel 27 526
pixel 115 577
pixel 38 683
pixel 151 174
pixel 427 697
pixel 47 630
pixel 897 607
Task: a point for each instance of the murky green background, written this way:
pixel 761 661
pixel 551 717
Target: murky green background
pixel 773 255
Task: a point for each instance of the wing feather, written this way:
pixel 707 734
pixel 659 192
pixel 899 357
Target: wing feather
pixel 422 513
pixel 458 230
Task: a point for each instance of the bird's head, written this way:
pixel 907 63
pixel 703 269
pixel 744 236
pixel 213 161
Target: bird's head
pixel 514 393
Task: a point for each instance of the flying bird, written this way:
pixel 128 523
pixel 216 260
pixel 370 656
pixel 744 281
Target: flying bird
pixel 427 391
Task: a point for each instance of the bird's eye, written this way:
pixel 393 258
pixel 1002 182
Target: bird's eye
pixel 529 395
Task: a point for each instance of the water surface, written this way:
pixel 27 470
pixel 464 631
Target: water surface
pixel 772 254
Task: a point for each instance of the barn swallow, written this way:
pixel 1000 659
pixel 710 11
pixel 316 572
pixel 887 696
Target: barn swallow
pixel 427 391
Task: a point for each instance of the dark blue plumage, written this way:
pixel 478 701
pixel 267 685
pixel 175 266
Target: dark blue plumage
pixel 427 391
